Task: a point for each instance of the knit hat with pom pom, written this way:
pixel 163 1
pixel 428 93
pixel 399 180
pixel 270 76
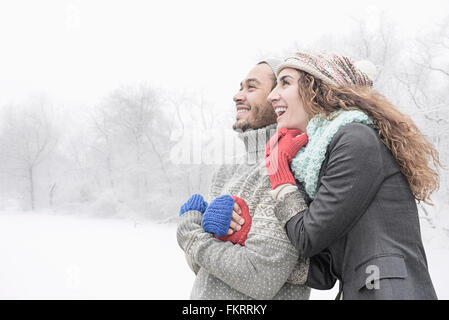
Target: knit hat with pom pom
pixel 334 69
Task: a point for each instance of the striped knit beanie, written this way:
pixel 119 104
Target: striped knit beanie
pixel 334 69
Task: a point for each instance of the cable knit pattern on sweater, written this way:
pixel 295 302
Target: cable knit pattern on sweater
pixel 268 265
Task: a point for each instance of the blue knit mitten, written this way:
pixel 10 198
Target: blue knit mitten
pixel 217 217
pixel 196 202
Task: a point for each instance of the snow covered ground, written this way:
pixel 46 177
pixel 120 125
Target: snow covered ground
pixel 48 256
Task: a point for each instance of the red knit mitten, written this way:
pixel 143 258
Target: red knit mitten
pixel 281 149
pixel 241 235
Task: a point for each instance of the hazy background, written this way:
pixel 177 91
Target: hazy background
pixel 97 98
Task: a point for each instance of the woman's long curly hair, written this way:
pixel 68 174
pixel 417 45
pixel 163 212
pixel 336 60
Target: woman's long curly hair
pixel 412 151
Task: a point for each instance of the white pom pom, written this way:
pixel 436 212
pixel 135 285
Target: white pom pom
pixel 367 67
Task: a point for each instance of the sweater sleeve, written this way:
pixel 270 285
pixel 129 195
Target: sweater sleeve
pixel 350 182
pixel 261 267
pixel 188 230
pixel 188 227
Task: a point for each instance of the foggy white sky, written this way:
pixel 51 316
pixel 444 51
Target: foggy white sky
pixel 77 51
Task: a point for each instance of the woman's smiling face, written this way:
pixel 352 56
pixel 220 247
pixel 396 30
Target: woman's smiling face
pixel 287 102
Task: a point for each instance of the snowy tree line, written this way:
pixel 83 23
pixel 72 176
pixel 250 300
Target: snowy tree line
pixel 114 160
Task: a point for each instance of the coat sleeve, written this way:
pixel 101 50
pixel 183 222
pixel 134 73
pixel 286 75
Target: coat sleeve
pixel 320 274
pixel 349 183
pixel 259 269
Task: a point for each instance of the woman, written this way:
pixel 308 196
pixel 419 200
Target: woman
pixel 363 168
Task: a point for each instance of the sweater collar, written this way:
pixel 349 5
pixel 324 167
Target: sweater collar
pixel 256 140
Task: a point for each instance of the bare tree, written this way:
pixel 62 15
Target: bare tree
pixel 28 137
pixel 195 114
pixel 132 136
pixel 103 143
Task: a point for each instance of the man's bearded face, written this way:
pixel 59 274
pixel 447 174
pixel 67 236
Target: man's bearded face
pixel 253 109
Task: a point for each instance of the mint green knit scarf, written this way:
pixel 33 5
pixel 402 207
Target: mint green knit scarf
pixel 307 163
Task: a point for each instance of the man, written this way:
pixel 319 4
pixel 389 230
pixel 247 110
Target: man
pixel 264 265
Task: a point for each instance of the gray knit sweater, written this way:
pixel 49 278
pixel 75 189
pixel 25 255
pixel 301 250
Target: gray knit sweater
pixel 268 266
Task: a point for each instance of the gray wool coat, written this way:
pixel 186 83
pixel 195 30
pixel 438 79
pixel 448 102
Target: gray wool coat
pixel 362 228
